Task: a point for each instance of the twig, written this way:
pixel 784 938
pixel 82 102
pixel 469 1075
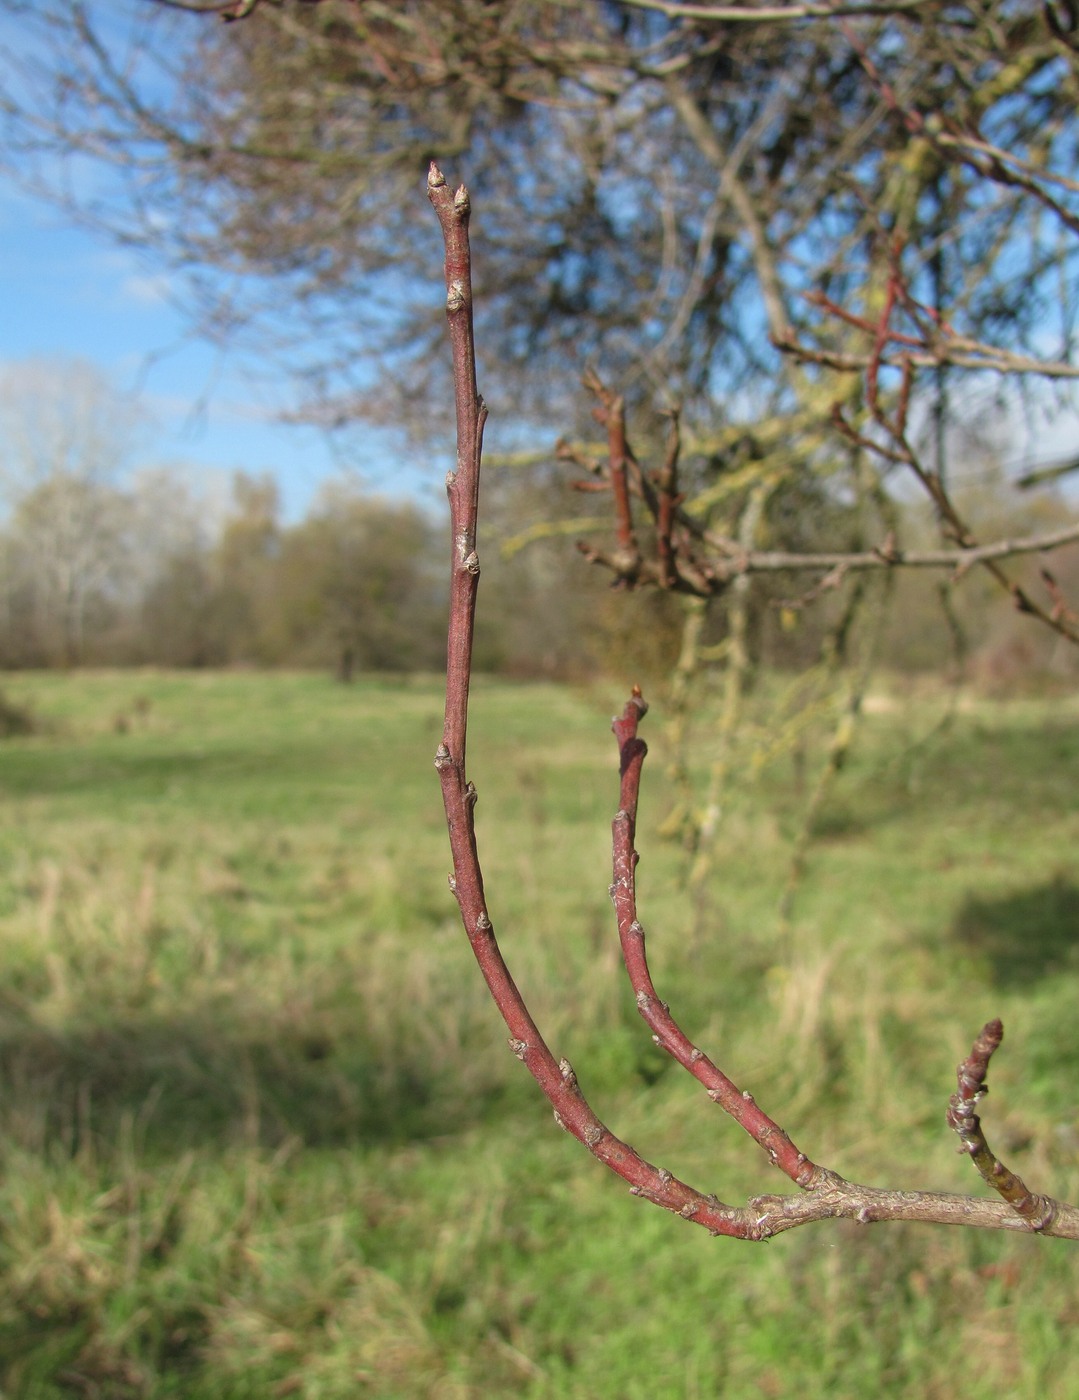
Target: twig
pixel 628 553
pixel 772 14
pixel 666 1032
pixel 555 1077
pixel 1037 1211
pixel 825 1194
pixel 669 500
pixel 885 557
pixel 960 351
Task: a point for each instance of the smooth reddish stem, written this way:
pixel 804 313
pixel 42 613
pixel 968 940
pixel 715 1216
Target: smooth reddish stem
pixel 616 448
pixel 555 1077
pixel 667 502
pixel 826 1195
pixel 665 1029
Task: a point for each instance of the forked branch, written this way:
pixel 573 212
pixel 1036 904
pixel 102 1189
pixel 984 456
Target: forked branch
pixel 823 1194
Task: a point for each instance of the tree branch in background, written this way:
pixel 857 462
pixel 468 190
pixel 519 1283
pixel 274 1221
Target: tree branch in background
pixel 775 14
pixel 690 558
pixel 824 1194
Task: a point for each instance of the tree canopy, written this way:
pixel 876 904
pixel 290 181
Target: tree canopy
pixel 671 190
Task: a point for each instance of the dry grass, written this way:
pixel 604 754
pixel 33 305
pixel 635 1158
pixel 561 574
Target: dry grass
pixel 260 1134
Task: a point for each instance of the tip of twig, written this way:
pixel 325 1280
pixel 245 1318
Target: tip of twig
pixel 435 177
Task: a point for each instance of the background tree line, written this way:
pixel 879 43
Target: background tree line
pixel 106 562
pixel 89 576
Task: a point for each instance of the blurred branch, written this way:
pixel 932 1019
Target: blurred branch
pixel 890 556
pixel 1038 476
pixel 959 351
pixel 772 14
pixel 241 9
pixel 691 558
pixel 698 176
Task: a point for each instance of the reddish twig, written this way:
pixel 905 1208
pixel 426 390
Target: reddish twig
pixel 667 491
pixel 880 340
pixel 862 323
pixel 674 566
pixel 555 1077
pixel 628 554
pixel 1061 611
pixel 824 1194
pixel 666 1031
pixel 1037 1211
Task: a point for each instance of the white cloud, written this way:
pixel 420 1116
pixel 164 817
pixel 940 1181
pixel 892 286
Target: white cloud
pixel 146 289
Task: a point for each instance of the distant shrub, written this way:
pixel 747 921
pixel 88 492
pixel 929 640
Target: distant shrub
pixel 16 719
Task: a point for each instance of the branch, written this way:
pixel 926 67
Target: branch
pixel 772 14
pixel 1038 1211
pixel 935 335
pixel 708 578
pixel 666 1032
pixel 555 1077
pixel 824 1194
pixel 695 560
pixel 962 352
pixel 612 414
pixel 674 567
pixel 888 556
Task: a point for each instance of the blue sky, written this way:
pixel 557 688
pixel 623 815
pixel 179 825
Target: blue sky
pixel 68 293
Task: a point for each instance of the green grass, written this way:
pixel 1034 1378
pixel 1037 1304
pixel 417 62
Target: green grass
pixel 261 1135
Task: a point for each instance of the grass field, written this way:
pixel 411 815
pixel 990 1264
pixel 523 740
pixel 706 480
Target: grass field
pixel 261 1136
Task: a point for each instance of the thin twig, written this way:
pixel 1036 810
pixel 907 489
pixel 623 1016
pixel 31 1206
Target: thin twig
pixel 555 1077
pixel 666 1031
pixel 825 1194
pixel 1037 1211
pixel 773 14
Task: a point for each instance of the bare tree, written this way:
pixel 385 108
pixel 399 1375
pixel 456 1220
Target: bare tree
pixel 702 169
pixel 67 439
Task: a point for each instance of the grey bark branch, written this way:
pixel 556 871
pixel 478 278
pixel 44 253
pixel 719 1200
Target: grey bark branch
pixel 777 14
pixel 776 561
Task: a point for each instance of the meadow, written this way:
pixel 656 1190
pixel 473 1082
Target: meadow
pixel 261 1135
